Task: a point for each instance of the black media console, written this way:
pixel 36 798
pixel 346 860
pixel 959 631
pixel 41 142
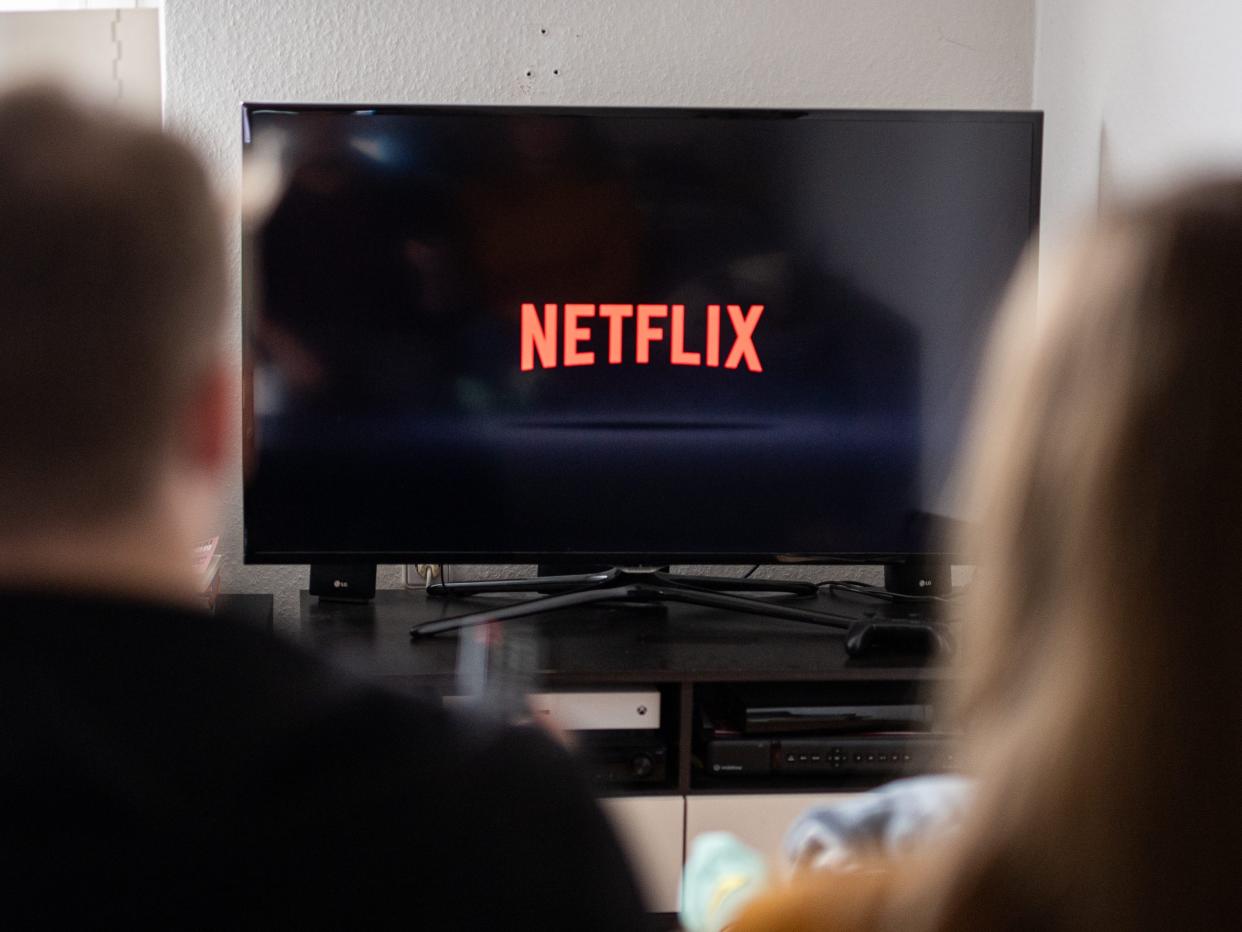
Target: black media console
pixel 694 657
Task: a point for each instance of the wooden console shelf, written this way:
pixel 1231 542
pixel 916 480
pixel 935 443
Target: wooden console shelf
pixel 680 650
pixel 684 652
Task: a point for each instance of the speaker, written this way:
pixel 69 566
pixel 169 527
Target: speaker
pixel 352 582
pixel 920 576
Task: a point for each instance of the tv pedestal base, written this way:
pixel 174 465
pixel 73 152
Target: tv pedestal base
pixel 631 585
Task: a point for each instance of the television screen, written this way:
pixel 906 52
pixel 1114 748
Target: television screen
pixel 633 336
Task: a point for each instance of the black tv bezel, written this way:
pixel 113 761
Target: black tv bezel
pixel 1033 118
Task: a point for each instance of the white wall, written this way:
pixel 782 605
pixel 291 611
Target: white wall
pixel 25 6
pixel 1136 93
pixel 825 53
pixel 110 56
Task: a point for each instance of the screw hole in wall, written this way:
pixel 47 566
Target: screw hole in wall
pixel 556 70
pixel 529 73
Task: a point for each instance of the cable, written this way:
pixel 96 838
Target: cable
pixel 857 587
pixel 751 572
pixel 427 572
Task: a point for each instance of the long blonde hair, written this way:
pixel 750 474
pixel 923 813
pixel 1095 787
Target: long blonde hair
pixel 1102 650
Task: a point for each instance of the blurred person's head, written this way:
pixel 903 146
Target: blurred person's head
pixel 1100 652
pixel 113 392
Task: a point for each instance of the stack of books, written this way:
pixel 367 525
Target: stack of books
pixel 207 572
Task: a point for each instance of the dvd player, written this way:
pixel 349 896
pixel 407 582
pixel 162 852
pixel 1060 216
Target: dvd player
pixel 759 719
pixel 835 755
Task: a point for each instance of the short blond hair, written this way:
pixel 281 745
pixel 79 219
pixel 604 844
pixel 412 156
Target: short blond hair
pixel 112 291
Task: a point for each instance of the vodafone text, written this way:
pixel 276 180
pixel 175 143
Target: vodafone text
pixel 540 341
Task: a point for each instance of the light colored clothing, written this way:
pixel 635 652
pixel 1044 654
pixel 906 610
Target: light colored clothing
pixel 723 875
pixel 885 823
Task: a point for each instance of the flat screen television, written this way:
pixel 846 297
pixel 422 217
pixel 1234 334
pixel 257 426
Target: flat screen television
pixel 617 336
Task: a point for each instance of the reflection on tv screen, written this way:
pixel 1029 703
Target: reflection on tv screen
pixel 498 333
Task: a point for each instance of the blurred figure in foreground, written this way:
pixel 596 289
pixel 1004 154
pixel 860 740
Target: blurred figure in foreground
pixel 159 767
pixel 1100 655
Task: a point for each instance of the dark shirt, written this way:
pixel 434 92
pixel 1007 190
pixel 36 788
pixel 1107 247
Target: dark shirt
pixel 163 767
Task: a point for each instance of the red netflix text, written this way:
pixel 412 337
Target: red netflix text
pixel 557 337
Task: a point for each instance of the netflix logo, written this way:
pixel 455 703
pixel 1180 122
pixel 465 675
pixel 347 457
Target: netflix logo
pixel 557 337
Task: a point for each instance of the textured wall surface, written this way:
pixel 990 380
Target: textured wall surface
pixel 812 53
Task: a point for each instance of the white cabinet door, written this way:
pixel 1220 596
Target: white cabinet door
pixel 651 832
pixel 760 820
